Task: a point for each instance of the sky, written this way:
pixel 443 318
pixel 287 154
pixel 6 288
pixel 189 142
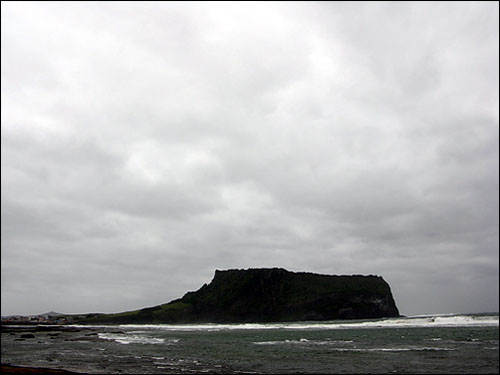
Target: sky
pixel 146 144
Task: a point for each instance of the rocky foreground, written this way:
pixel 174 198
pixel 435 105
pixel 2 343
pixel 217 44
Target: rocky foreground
pixel 10 369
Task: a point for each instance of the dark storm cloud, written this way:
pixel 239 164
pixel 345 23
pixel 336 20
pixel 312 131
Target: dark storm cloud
pixel 146 145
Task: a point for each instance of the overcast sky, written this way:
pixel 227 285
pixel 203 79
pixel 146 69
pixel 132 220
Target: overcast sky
pixel 144 145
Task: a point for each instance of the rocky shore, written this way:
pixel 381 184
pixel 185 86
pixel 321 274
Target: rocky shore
pixel 11 369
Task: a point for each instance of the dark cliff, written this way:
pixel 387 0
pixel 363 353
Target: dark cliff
pixel 271 295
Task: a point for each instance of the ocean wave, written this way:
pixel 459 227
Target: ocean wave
pixel 135 339
pixel 402 349
pixel 352 349
pixel 303 341
pixel 213 327
pixel 439 320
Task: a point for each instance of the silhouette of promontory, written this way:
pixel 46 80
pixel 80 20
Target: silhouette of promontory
pixel 269 295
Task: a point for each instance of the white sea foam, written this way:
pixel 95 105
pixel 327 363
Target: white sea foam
pixel 303 342
pixel 134 339
pixel 440 320
pixel 351 349
pixel 433 315
pixel 211 327
pixel 403 349
pixel 90 326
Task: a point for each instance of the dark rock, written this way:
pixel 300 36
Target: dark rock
pixel 27 336
pixel 270 295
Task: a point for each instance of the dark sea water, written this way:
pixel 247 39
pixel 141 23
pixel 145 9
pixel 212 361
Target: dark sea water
pixel 424 344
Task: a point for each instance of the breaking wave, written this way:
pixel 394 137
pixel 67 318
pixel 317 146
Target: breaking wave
pixel 124 338
pixel 417 321
pixel 351 349
pixel 419 349
pixel 304 342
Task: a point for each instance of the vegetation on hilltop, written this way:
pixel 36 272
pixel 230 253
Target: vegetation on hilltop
pixel 266 295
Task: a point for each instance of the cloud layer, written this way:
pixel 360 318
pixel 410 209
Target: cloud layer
pixel 145 145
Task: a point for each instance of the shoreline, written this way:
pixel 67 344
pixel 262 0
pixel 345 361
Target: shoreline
pixel 7 368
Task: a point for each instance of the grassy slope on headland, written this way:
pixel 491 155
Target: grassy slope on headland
pixel 267 295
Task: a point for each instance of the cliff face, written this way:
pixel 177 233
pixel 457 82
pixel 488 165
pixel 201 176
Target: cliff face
pixel 272 295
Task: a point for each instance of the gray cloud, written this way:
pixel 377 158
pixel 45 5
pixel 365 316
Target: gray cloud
pixel 146 145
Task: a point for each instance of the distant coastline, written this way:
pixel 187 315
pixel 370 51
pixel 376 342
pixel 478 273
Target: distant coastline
pixel 253 295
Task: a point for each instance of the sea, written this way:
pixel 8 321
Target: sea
pixel 435 344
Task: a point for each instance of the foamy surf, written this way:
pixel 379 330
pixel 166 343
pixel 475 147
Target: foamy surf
pixel 303 341
pixel 419 349
pixel 306 347
pixel 336 343
pixel 134 339
pixel 406 322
